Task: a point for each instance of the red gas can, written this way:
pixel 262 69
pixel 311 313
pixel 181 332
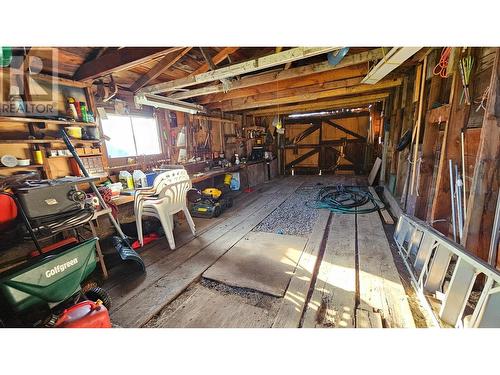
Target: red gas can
pixel 86 314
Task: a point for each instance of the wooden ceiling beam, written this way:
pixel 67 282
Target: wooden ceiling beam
pixel 218 58
pixel 320 105
pixel 162 65
pixel 300 95
pixel 318 79
pixel 254 65
pixel 275 76
pixel 120 59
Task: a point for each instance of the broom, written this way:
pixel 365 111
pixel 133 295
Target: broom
pixel 120 243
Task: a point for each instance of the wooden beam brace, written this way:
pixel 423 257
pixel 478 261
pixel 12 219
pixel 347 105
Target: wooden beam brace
pixel 329 143
pixel 321 105
pixel 259 101
pixel 302 158
pixel 486 179
pixel 305 133
pixel 268 77
pixel 218 58
pixel 158 69
pixel 347 131
pixel 120 59
pixel 313 119
pixel 254 65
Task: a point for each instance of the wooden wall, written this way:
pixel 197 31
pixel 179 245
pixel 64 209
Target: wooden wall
pixel 445 118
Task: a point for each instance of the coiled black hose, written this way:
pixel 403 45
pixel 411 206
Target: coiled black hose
pixel 344 199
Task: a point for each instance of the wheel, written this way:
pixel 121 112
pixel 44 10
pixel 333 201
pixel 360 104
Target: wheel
pixel 87 285
pixel 96 293
pixel 229 202
pixel 217 211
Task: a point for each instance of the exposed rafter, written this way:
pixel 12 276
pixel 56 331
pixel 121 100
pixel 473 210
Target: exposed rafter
pixel 218 58
pixel 280 75
pixel 120 59
pixel 301 95
pixel 158 69
pixel 254 65
pixel 321 105
pixel 347 76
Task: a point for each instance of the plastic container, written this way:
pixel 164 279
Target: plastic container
pixel 126 179
pixel 23 162
pixel 115 188
pixel 74 131
pixel 140 179
pixel 86 314
pixel 150 178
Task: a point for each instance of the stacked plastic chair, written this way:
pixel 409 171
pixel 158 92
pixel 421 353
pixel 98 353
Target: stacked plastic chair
pixel 165 198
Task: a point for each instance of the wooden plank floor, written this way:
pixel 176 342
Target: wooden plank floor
pixel 345 277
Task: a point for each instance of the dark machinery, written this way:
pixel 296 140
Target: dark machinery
pixel 208 203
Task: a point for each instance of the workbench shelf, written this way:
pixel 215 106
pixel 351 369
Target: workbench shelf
pixel 44 120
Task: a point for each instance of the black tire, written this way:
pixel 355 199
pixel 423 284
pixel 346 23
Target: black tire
pixel 229 202
pixel 217 211
pixel 96 293
pixel 87 285
pixel 404 141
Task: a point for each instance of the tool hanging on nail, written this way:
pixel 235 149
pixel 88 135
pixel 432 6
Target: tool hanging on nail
pixel 465 66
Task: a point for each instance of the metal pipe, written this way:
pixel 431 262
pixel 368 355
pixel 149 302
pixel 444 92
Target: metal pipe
pixel 462 141
pixel 458 196
pixel 103 204
pixel 452 196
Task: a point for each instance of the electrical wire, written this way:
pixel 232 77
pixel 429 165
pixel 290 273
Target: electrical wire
pixel 343 199
pixel 441 68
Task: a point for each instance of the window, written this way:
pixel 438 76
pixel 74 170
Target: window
pixel 131 136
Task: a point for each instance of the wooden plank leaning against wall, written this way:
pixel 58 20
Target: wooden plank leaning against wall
pixel 485 182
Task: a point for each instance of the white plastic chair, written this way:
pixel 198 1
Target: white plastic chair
pixel 165 198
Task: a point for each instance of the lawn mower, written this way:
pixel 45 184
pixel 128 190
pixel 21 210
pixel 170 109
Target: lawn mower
pixel 210 202
pixel 50 290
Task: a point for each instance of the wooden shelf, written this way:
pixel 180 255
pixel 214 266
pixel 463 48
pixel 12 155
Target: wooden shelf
pixel 48 141
pixel 70 156
pixel 33 166
pixel 44 120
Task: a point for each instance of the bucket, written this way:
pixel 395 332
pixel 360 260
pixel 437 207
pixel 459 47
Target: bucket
pixel 150 178
pixel 227 178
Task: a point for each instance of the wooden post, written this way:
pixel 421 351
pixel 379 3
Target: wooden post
pixel 431 136
pixel 419 120
pixel 485 182
pixel 459 115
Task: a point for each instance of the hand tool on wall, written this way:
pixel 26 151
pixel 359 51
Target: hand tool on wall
pixel 121 243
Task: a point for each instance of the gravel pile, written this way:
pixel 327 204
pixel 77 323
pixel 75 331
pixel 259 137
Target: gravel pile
pixel 293 216
pixel 251 297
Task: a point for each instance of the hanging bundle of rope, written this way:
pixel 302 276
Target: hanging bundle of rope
pixel 441 69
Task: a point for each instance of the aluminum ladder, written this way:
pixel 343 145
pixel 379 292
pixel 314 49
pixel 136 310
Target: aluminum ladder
pixel 444 273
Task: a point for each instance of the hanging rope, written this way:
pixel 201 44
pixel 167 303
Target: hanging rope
pixel 484 100
pixel 441 68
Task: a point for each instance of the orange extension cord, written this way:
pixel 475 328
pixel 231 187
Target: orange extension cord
pixel 441 68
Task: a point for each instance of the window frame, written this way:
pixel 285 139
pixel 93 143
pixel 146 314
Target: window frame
pixel 124 158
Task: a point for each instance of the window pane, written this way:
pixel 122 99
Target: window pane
pixel 147 140
pixel 119 129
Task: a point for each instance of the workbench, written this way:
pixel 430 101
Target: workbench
pixel 255 173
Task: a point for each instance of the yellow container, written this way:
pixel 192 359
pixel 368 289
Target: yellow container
pixel 227 178
pixel 38 157
pixel 74 131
